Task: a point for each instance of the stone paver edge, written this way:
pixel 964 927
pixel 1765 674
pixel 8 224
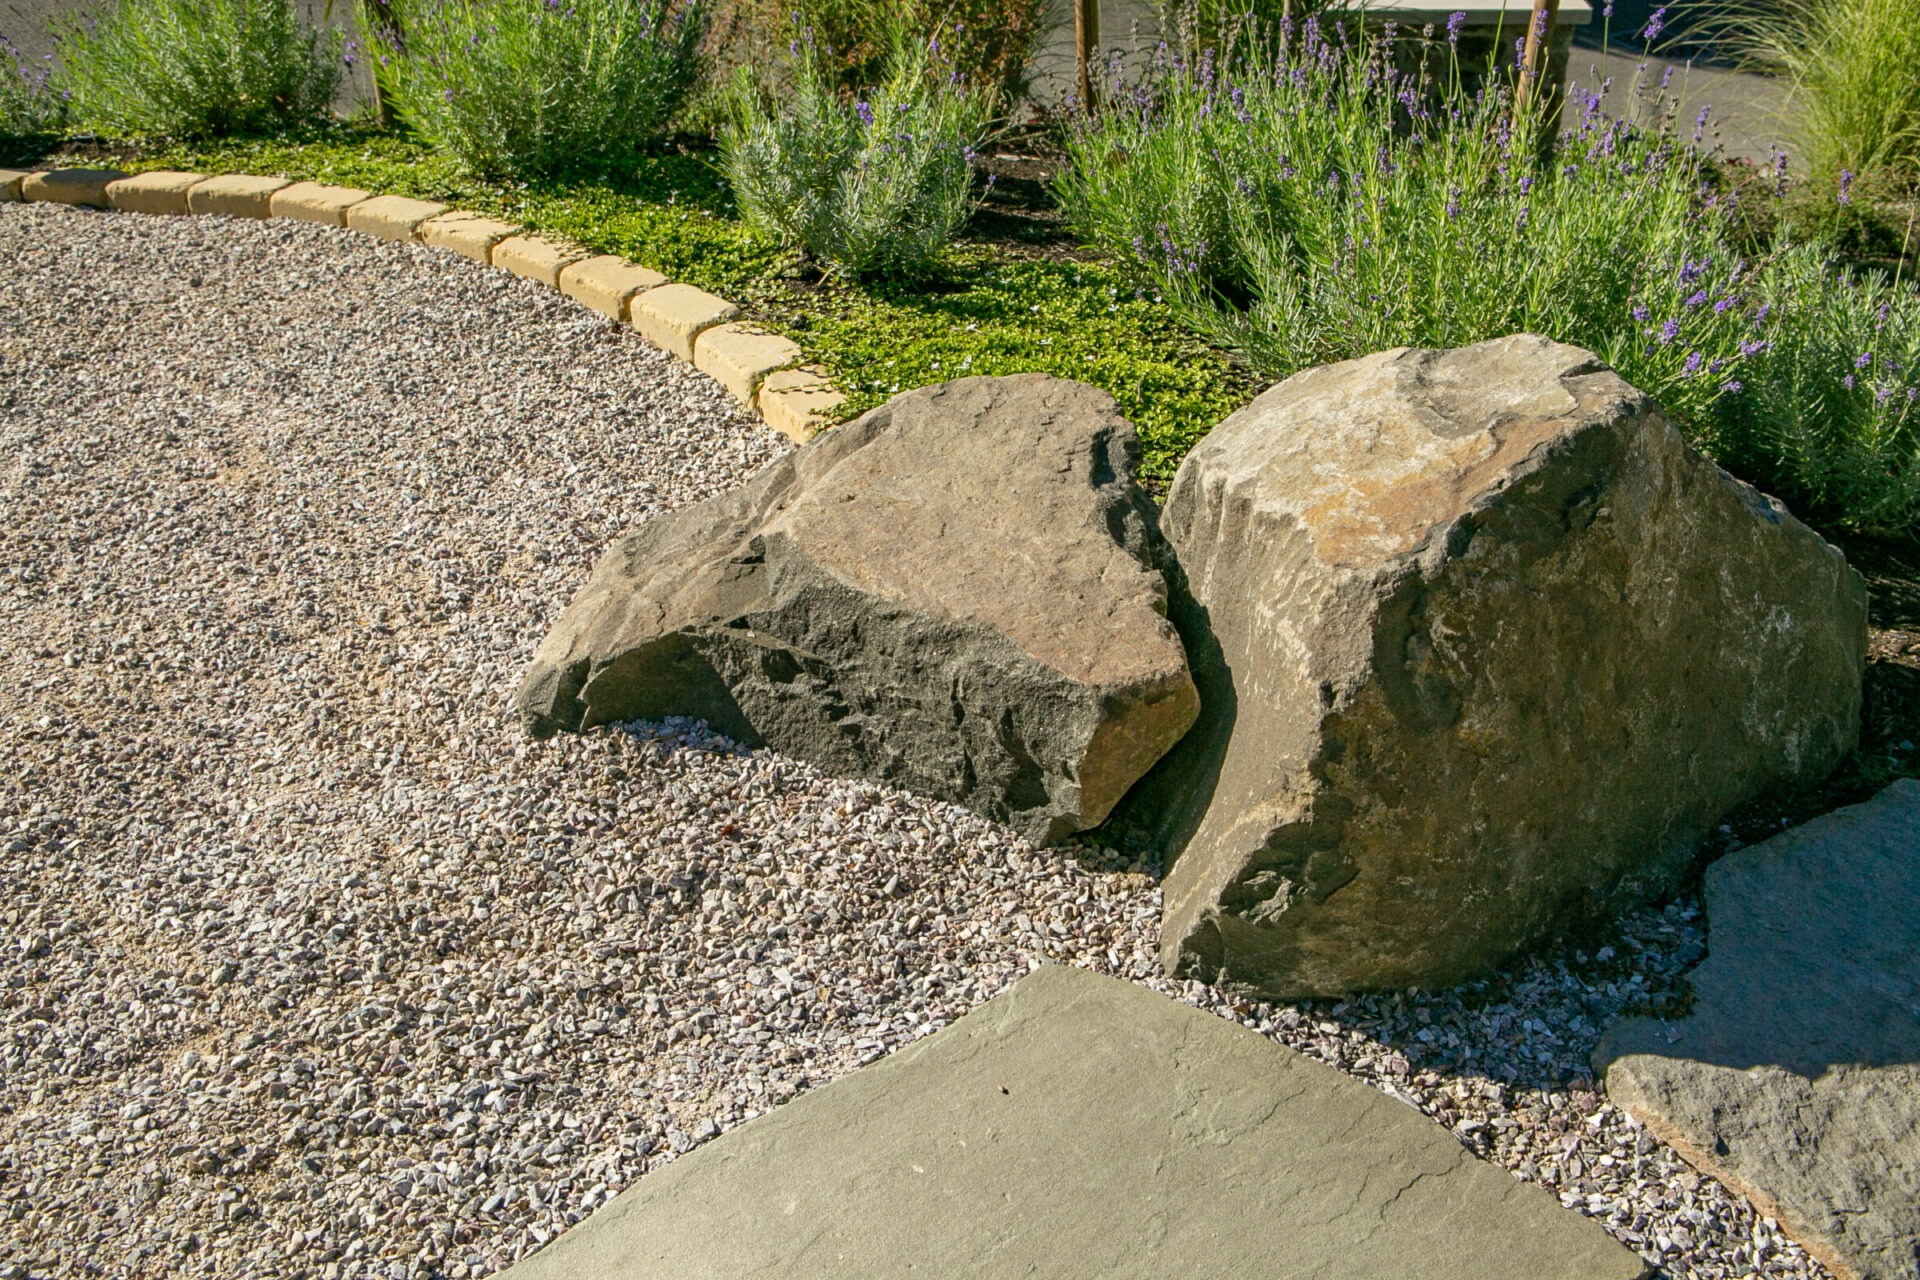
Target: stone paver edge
pixel 796 408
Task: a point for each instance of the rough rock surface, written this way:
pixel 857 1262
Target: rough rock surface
pixel 1483 646
pixel 955 593
pixel 1796 1075
pixel 1081 1126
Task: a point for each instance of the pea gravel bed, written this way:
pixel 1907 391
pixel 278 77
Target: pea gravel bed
pixel 312 965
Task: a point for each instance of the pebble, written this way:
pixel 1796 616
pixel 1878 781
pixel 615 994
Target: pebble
pixel 314 966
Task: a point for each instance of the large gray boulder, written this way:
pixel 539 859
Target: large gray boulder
pixel 1083 1128
pixel 1795 1076
pixel 1484 647
pixel 957 593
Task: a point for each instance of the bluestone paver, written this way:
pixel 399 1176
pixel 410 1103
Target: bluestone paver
pixel 1080 1126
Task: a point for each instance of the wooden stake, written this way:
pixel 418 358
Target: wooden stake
pixel 1086 38
pixel 1533 61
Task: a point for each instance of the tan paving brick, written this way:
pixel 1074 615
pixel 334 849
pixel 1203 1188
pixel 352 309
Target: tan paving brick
pixel 162 191
pixel 540 258
pixel 738 356
pixel 468 234
pixel 70 186
pixel 607 284
pixel 392 217
pixel 798 403
pixel 673 315
pixel 316 202
pixel 10 180
pixel 237 195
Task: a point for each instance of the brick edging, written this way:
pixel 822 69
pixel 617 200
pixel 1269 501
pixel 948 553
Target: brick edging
pixel 760 369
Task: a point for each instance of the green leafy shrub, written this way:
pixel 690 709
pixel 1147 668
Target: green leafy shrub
pixel 31 108
pixel 516 88
pixel 198 68
pixel 1317 204
pixel 867 184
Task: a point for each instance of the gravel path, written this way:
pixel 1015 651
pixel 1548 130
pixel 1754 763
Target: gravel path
pixel 311 965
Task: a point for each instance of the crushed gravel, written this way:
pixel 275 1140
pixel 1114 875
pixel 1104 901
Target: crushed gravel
pixel 312 965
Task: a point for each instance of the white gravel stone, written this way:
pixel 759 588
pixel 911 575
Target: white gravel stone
pixel 312 966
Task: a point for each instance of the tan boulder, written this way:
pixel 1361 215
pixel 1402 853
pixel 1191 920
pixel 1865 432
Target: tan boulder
pixel 957 593
pixel 1485 648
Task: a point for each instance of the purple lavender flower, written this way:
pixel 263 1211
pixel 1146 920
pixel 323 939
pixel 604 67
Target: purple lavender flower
pixel 1669 331
pixel 1847 382
pixel 1846 187
pixel 864 110
pixel 1453 203
pixel 1692 366
pixel 1700 125
pixel 1862 360
pixel 1655 25
pixel 1640 314
pixel 1732 386
pixel 1698 299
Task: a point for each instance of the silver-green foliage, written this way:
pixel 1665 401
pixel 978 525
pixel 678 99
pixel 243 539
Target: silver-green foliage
pixel 198 68
pixel 522 88
pixel 869 184
pixel 1829 413
pixel 30 106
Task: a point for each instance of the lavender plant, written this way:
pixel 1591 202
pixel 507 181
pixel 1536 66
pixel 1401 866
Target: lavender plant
pixel 30 105
pixel 198 68
pixel 1319 202
pixel 876 182
pixel 519 88
pixel 1828 414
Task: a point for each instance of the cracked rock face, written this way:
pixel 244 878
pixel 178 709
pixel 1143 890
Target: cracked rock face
pixel 1795 1077
pixel 1484 648
pixel 957 593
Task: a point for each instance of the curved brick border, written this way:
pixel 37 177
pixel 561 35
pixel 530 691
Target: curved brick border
pixel 757 367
